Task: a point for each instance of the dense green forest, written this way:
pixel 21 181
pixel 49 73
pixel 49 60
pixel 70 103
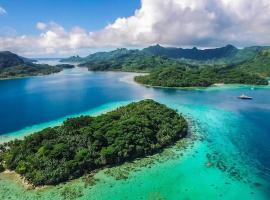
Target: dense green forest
pixel 260 64
pixel 8 59
pixel 72 59
pixel 86 143
pixel 215 56
pixel 12 66
pixel 127 60
pixel 194 53
pixel 200 77
pixel 218 56
pixel 226 52
pixel 27 70
pixel 254 59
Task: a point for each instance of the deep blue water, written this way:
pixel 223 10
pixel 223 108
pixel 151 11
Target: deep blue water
pixel 28 101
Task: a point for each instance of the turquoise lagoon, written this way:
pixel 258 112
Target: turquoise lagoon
pixel 226 156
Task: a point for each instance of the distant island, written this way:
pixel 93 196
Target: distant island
pixel 258 64
pixel 222 56
pixel 195 67
pixel 217 56
pixel 86 143
pixel 178 67
pixel 72 59
pixel 200 77
pixel 124 60
pixel 154 57
pixel 14 66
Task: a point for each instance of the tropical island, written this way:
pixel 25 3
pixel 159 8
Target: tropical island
pixel 72 59
pixel 178 67
pixel 86 143
pixel 258 64
pixel 200 77
pixel 14 66
pixel 219 57
pixel 126 60
pixel 168 66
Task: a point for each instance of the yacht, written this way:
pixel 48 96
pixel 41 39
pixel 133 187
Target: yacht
pixel 244 97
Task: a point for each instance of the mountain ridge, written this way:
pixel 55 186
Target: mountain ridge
pixel 222 55
pixel 13 66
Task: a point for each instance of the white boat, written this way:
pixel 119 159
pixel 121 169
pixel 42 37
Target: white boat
pixel 245 97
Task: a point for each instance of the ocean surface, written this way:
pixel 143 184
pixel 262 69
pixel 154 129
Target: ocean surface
pixel 227 155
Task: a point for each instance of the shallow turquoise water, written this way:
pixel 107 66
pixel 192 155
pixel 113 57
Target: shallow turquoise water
pixel 233 136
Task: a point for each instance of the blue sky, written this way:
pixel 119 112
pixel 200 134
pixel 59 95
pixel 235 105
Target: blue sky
pixel 60 28
pixel 92 15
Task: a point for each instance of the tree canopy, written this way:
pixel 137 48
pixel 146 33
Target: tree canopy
pixel 198 77
pixel 127 60
pixel 86 143
pixel 12 66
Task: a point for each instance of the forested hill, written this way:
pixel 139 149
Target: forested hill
pixel 223 55
pixel 260 64
pixel 13 66
pixel 228 51
pixel 127 60
pixel 194 53
pixel 8 59
pixel 86 143
pixel 201 77
pixel 72 59
pixel 250 59
pixel 217 56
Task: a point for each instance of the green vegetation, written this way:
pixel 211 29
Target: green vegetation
pixel 219 56
pixel 12 66
pixel 72 59
pixel 260 64
pixel 28 70
pixel 250 59
pixel 216 56
pixel 87 143
pixel 127 60
pixel 194 53
pixel 8 59
pixel 203 77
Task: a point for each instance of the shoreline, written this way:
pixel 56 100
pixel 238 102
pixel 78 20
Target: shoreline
pixel 28 76
pixel 112 181
pixel 21 180
pixel 214 86
pixel 20 134
pixel 181 146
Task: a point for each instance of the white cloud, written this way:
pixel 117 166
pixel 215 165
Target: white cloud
pixel 41 26
pixel 2 11
pixel 193 22
pixel 170 22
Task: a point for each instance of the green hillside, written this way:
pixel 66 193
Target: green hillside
pixel 252 59
pixel 72 59
pixel 13 66
pixel 8 59
pixel 218 56
pixel 260 64
pixel 86 143
pixel 127 60
pixel 203 77
pixel 194 53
